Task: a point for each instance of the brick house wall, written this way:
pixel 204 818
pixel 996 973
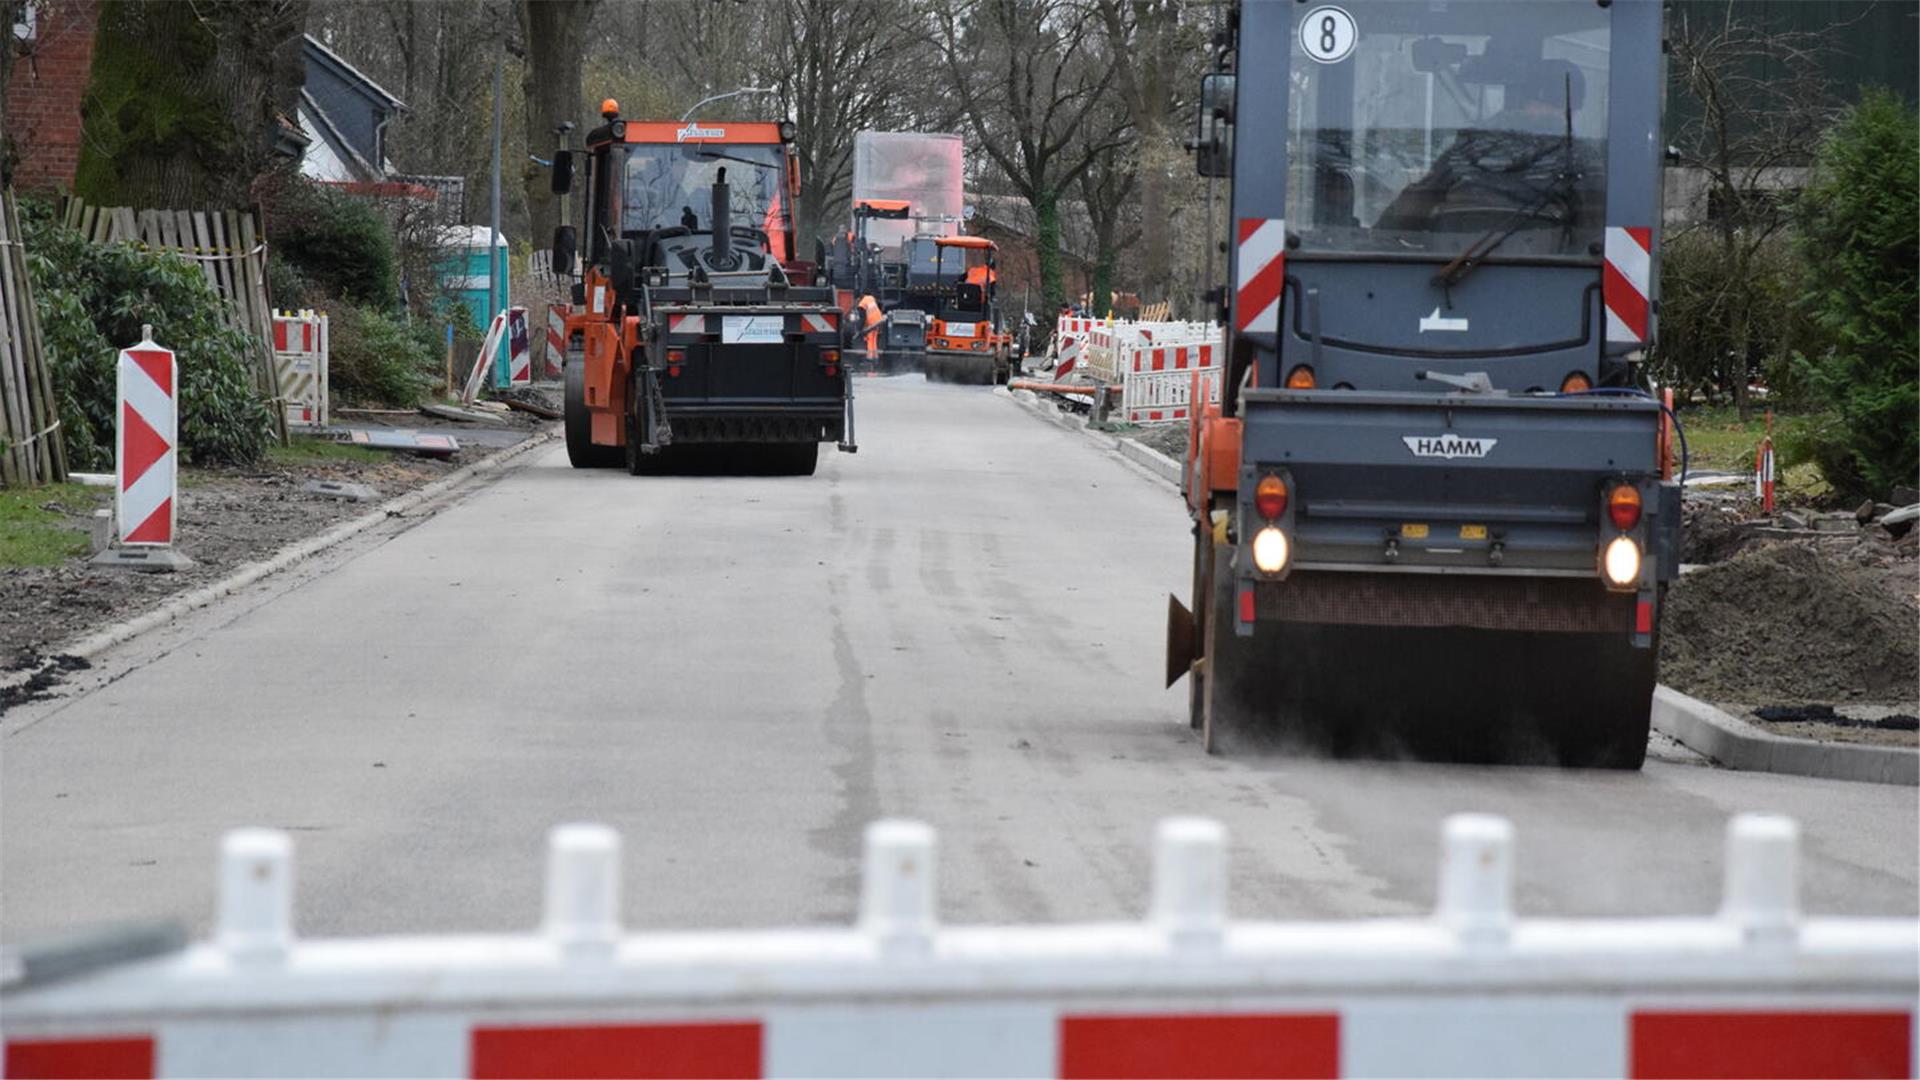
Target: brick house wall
pixel 44 91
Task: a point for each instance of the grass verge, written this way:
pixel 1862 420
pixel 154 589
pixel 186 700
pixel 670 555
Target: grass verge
pixel 305 451
pixel 33 535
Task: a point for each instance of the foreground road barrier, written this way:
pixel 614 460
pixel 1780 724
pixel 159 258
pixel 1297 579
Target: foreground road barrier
pixel 1756 989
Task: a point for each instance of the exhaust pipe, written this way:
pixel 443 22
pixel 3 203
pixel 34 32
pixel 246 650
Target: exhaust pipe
pixel 722 222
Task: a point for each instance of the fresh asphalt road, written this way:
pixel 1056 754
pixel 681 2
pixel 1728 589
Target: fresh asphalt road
pixel 960 624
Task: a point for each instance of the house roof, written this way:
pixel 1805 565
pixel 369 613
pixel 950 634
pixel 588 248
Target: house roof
pixel 318 51
pixel 330 134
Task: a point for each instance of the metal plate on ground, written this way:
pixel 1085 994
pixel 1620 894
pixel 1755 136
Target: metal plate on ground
pixel 398 439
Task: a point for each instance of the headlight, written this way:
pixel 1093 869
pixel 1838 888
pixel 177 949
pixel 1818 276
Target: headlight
pixel 1621 562
pixel 1270 550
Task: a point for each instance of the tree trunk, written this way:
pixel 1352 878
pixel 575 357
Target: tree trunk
pixel 185 100
pixel 1046 238
pixel 1156 230
pixel 1741 365
pixel 556 33
pixel 1102 284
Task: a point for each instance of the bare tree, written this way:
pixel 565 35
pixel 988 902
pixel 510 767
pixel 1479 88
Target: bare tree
pixel 1118 220
pixel 1763 103
pixel 556 34
pixel 1026 75
pixel 840 66
pixel 1156 50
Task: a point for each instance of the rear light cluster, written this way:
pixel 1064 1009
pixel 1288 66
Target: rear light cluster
pixel 1620 558
pixel 830 361
pixel 1270 497
pixel 675 358
pixel 1623 507
pixel 1271 550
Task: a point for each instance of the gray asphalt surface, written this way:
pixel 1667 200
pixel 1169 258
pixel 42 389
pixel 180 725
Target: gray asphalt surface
pixel 962 624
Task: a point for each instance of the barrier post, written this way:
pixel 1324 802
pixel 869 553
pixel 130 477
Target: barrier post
pixel 1476 878
pixel 1762 882
pixel 897 887
pixel 146 459
pixel 1190 882
pixel 582 916
pixel 255 922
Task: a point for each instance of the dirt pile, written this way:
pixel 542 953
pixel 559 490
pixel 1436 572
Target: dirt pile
pixel 1785 623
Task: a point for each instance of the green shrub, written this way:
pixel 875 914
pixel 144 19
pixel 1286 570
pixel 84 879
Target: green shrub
pixel 92 300
pixel 1860 227
pixel 337 242
pixel 287 287
pixel 1698 351
pixel 378 359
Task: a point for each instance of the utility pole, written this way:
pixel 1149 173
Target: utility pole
pixel 495 295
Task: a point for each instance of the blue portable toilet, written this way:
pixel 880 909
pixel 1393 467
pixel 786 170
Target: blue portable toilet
pixel 464 274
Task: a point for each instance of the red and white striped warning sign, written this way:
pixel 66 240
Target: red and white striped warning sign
pixel 1626 283
pixel 519 350
pixel 144 463
pixel 300 355
pixel 1172 358
pixel 1260 271
pixel 687 324
pixel 823 323
pixel 556 338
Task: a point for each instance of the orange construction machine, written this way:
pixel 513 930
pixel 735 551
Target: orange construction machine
pixel 695 326
pixel 954 279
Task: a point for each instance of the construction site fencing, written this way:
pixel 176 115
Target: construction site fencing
pixel 301 345
pixel 1755 989
pixel 1154 363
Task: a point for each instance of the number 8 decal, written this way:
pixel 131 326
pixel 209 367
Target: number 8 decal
pixel 1327 34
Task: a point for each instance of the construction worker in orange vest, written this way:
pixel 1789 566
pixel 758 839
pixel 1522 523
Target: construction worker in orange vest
pixel 870 318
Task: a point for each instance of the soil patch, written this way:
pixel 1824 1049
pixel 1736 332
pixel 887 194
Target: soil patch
pixel 1786 623
pixel 1169 439
pixel 228 518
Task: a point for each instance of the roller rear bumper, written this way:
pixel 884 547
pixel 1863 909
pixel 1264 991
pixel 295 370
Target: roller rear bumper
pixel 1456 509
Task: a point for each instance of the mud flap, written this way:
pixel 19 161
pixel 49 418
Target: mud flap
pixel 1180 640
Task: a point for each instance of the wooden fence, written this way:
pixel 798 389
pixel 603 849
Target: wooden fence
pixel 230 248
pixel 32 450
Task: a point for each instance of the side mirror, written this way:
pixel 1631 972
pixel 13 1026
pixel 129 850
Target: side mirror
pixel 562 172
pixel 563 251
pixel 1212 142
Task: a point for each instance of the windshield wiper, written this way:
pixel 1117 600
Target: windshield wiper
pixel 1561 188
pixel 730 157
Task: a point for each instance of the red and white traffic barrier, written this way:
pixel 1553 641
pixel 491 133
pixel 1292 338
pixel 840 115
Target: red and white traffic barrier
pixel 145 443
pixel 556 339
pixel 1757 989
pixel 300 353
pixel 1069 334
pixel 519 349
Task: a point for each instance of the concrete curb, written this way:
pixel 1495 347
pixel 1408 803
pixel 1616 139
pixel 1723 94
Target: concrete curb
pixel 119 633
pixel 1155 462
pixel 1150 459
pixel 1706 730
